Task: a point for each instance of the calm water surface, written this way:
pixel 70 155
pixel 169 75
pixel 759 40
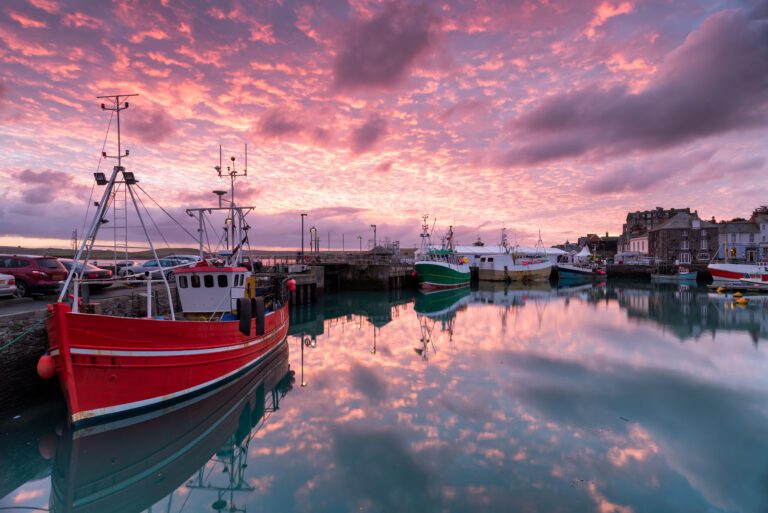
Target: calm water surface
pixel 598 399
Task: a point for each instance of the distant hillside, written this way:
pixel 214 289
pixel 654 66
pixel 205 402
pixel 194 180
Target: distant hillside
pixel 96 254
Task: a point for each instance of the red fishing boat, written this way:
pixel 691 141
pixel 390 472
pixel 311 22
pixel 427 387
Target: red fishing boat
pixel 111 365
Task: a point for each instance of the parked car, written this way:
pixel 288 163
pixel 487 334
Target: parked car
pixel 185 258
pixel 152 267
pixel 89 273
pixel 7 285
pixel 34 274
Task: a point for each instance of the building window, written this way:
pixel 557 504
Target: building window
pixel 685 258
pixel 704 244
pixel 183 282
pixel 684 244
pixel 208 281
pixel 223 282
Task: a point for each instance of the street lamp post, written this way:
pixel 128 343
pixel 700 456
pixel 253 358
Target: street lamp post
pixel 374 235
pixel 303 215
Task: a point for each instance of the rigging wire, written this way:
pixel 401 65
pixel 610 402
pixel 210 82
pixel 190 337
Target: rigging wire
pixel 98 166
pixel 157 228
pixel 167 213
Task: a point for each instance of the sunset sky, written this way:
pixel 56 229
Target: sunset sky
pixel 534 115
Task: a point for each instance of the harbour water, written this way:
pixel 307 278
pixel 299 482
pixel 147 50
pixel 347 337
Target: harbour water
pixel 596 398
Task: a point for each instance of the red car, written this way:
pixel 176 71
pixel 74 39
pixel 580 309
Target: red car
pixel 34 274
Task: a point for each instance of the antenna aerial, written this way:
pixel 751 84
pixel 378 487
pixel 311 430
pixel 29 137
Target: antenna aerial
pixel 232 174
pixel 117 105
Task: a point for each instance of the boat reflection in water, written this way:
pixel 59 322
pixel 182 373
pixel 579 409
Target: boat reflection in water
pixel 438 306
pixel 132 464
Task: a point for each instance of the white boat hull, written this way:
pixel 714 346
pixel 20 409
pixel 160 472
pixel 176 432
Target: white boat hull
pixel 725 271
pixel 505 268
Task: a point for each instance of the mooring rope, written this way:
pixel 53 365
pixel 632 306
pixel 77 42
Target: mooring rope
pixel 23 334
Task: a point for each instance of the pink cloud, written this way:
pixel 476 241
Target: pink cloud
pixel 604 12
pixel 26 21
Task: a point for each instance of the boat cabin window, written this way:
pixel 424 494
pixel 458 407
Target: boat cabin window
pixel 223 282
pixel 208 281
pixel 183 282
pixel 195 281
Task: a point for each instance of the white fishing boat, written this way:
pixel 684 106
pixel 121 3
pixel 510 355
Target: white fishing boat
pixel 732 271
pixel 512 266
pixel 758 279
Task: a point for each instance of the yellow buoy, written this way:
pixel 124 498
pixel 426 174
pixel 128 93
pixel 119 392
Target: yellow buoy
pixel 720 290
pixel 738 294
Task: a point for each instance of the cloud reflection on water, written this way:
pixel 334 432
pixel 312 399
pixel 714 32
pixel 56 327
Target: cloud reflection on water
pixel 607 399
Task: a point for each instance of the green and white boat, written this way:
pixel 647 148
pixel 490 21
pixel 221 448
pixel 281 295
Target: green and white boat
pixel 440 268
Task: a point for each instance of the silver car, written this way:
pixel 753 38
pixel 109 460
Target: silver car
pixel 152 268
pixel 7 285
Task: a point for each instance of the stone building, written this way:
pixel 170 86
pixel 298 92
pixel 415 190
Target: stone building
pixel 760 218
pixel 745 240
pixel 738 240
pixel 683 239
pixel 640 222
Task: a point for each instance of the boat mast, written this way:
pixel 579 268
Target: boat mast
pixel 89 237
pixel 128 179
pixel 233 227
pixel 426 243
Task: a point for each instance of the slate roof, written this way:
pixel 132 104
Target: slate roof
pixel 739 227
pixel 682 221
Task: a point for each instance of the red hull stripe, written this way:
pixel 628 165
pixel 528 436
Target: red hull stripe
pixel 721 273
pixel 152 401
pixel 181 352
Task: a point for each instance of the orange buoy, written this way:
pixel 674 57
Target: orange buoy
pixel 46 368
